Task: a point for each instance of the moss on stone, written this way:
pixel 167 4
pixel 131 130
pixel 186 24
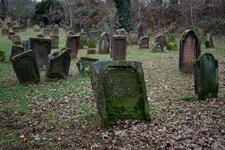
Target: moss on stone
pixel 172 46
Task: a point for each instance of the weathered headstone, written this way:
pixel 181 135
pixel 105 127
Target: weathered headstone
pixel 77 27
pixel 55 32
pixel 118 47
pixel 16 40
pixel 190 49
pixel 104 44
pixel 94 35
pixel 83 39
pixel 5 31
pixel 23 23
pixel 37 28
pixel 206 77
pixel 209 41
pixel 121 32
pixel 16 29
pixel 25 67
pixel 15 50
pixel 141 30
pixel 10 34
pixel 84 65
pixel 46 32
pixel 120 91
pixel 144 42
pixel 161 39
pixel 55 41
pixel 133 37
pixel 72 42
pixel 59 64
pixel 41 48
pixel 157 47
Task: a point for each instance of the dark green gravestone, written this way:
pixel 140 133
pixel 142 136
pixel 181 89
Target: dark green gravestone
pixel 84 65
pixel 15 50
pixel 25 67
pixel 120 91
pixel 41 48
pixel 206 77
pixel 59 64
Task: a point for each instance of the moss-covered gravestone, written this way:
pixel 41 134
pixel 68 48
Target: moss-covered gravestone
pixel 161 39
pixel 190 49
pixel 83 39
pixel 118 47
pixel 41 48
pixel 16 40
pixel 25 67
pixel 157 47
pixel 72 42
pixel 15 50
pixel 84 65
pixel 5 31
pixel 144 42
pixel 141 30
pixel 209 41
pixel 55 41
pixel 120 91
pixel 59 64
pixel 206 77
pixel 103 44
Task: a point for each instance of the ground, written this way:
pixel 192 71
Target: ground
pixel 62 114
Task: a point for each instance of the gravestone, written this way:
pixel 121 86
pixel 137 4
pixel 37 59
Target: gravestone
pixel 190 49
pixel 59 64
pixel 141 30
pixel 23 23
pixel 83 39
pixel 77 27
pixel 15 50
pixel 158 47
pixel 16 29
pixel 209 41
pixel 16 40
pixel 72 42
pixel 161 39
pixel 103 44
pixel 37 28
pixel 133 37
pixel 118 47
pixel 120 92
pixel 5 31
pixel 144 42
pixel 84 65
pixel 56 26
pixel 25 67
pixel 46 32
pixel 91 51
pixel 41 48
pixel 55 41
pixel 206 77
pixel 10 34
pixel 55 32
pixel 121 32
pixel 94 35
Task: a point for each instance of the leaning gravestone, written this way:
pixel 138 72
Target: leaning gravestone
pixel 59 64
pixel 84 65
pixel 144 42
pixel 141 30
pixel 25 67
pixel 120 91
pixel 55 41
pixel 16 40
pixel 15 50
pixel 161 39
pixel 206 77
pixel 72 42
pixel 209 41
pixel 190 49
pixel 158 47
pixel 41 48
pixel 5 31
pixel 16 29
pixel 118 47
pixel 104 44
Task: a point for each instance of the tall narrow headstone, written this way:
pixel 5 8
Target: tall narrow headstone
pixel 144 42
pixel 104 44
pixel 77 27
pixel 141 30
pixel 190 49
pixel 120 91
pixel 118 47
pixel 209 41
pixel 59 64
pixel 72 42
pixel 206 77
pixel 55 41
pixel 25 67
pixel 41 48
